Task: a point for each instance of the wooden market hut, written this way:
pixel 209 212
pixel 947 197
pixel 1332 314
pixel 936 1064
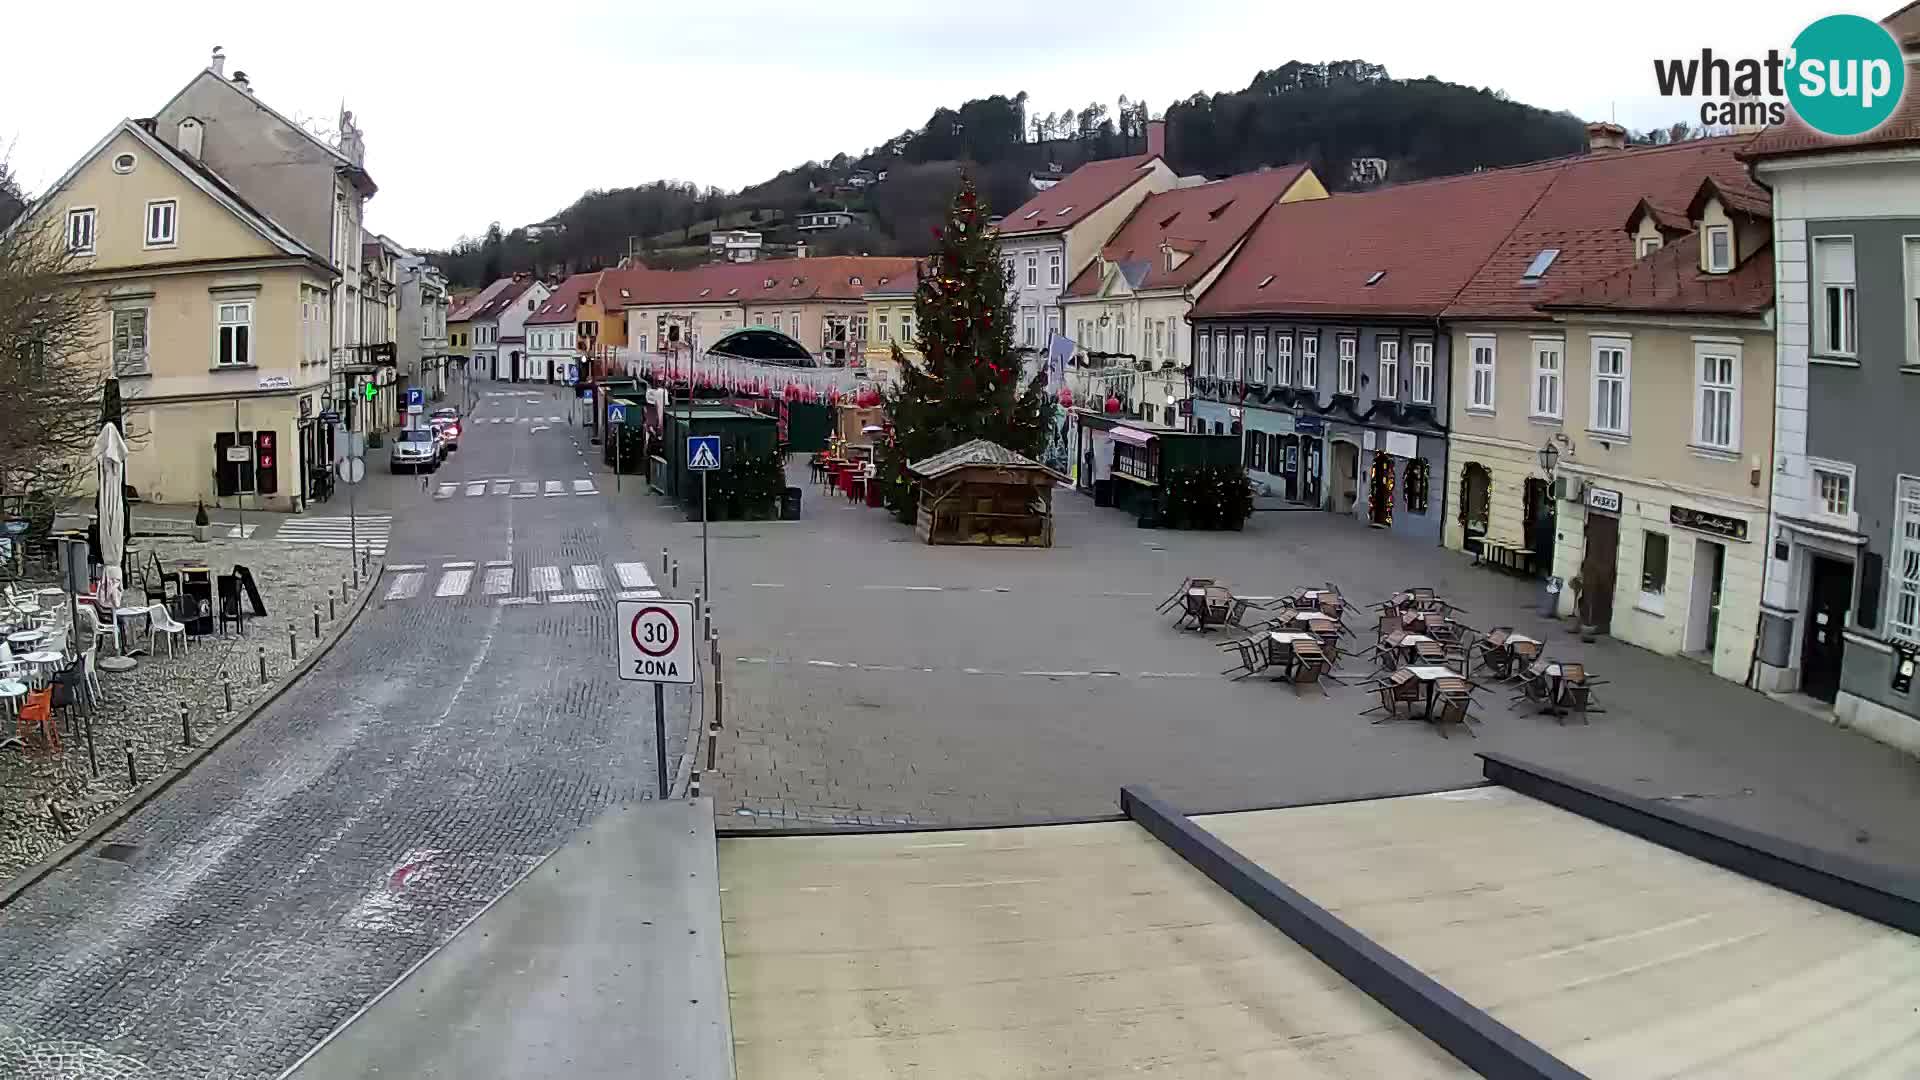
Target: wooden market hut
pixel 983 493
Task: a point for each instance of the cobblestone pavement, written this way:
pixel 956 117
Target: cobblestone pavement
pixel 141 708
pixel 874 680
pixel 429 760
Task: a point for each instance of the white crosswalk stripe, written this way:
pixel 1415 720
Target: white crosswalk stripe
pixel 588 577
pixel 633 575
pixel 554 487
pixel 546 579
pixel 476 487
pixel 444 491
pixel 405 586
pixel 453 583
pixel 371 530
pixel 501 487
pixel 585 487
pixel 499 581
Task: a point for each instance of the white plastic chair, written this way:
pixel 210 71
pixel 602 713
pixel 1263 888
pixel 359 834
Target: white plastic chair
pixel 87 658
pixel 160 621
pixel 106 626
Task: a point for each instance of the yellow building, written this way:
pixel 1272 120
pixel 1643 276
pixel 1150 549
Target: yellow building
pixel 213 317
pixel 889 321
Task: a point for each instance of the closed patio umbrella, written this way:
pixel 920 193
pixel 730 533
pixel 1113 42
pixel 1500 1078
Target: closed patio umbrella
pixel 110 463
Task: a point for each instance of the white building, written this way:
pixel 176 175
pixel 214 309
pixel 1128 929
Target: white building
pixel 734 245
pixel 552 331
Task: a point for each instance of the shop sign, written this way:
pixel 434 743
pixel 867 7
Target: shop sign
pixel 1403 444
pixel 275 382
pixel 1686 517
pixel 1604 499
pixel 1310 425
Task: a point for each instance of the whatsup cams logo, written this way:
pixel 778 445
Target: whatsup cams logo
pixel 1843 76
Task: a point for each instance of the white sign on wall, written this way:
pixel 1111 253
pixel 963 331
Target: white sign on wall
pixel 1366 440
pixel 1403 444
pixel 1604 499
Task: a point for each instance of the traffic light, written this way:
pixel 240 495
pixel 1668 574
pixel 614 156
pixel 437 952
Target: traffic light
pixel 266 463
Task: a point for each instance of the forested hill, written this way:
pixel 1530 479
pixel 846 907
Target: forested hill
pixel 1326 114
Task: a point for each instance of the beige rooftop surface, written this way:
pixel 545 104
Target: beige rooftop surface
pixel 1060 951
pixel 1620 957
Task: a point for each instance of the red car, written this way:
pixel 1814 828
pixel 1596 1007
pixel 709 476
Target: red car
pixel 446 424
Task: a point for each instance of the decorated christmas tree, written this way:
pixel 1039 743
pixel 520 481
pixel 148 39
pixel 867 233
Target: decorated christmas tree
pixel 967 383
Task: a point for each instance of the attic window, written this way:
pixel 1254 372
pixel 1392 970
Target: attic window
pixel 1167 222
pixel 123 163
pixel 733 292
pixel 1537 269
pixel 1719 249
pixel 704 292
pixel 1647 245
pixel 1374 278
pixel 854 280
pixel 883 281
pixel 1066 209
pixel 625 295
pixel 1214 214
pixel 767 284
pixel 1264 282
pixel 1030 215
pixel 796 282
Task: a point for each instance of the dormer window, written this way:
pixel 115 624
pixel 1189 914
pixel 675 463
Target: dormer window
pixel 1214 214
pixel 854 280
pixel 704 292
pixel 1030 215
pixel 796 282
pixel 1719 243
pixel 1374 278
pixel 1645 246
pixel 1537 269
pixel 733 292
pixel 767 284
pixel 1265 281
pixel 1066 209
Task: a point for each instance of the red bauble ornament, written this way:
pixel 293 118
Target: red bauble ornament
pixel 1065 397
pixel 1113 405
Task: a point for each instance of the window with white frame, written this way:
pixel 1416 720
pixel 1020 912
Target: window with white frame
pixel 1283 360
pixel 236 331
pixel 1612 394
pixel 1653 571
pixel 1160 337
pixel 1547 356
pixel 80 230
pixel 1830 491
pixel 1239 373
pixel 1033 269
pixel 162 215
pixel 1053 323
pixel 1053 268
pixel 1719 249
pixel 1220 354
pixel 1206 355
pixel 1646 246
pixel 1913 301
pixel 130 341
pixel 1120 335
pixel 1389 384
pixel 883 328
pixel 1905 623
pixel 1310 360
pixel 906 327
pixel 1348 372
pixel 1259 358
pixel 1716 400
pixel 1031 328
pixel 1480 370
pixel 1423 372
pixel 1834 295
pixel 1006 265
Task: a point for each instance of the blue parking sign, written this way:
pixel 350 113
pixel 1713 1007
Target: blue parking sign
pixel 703 452
pixel 416 396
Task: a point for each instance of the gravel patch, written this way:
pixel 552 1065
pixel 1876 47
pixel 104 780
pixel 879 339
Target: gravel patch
pixel 47 798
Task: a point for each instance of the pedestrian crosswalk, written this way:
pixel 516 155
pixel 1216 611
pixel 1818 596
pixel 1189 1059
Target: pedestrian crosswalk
pixel 369 531
pixel 501 583
pixel 515 419
pixel 515 489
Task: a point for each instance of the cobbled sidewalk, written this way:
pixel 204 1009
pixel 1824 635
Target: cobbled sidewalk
pixel 140 709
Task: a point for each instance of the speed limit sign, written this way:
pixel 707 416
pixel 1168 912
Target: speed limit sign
pixel 656 640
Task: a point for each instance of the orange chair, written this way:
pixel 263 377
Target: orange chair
pixel 38 713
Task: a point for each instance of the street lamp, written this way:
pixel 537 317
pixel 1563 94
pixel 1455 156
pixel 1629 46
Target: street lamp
pixel 1549 457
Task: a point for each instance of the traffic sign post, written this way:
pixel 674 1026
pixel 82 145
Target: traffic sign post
pixel 656 645
pixel 703 457
pixel 616 414
pixel 416 400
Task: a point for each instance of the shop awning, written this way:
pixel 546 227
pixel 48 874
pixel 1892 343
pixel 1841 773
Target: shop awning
pixel 1131 435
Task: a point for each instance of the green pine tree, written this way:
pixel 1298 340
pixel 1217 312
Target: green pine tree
pixel 967 384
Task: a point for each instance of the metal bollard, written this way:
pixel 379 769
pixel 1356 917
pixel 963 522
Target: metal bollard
pixel 316 619
pixel 719 688
pixel 226 685
pixel 293 643
pixel 696 605
pixel 675 576
pixel 133 770
pixel 263 665
pixel 663 562
pixel 93 759
pixel 332 611
pixel 186 726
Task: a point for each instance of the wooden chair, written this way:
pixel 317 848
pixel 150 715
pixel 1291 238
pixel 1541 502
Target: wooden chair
pixel 1523 654
pixel 1254 656
pixel 1389 623
pixel 1533 684
pixel 1430 652
pixel 36 720
pixel 1398 688
pixel 1454 704
pixel 1179 596
pixel 1310 665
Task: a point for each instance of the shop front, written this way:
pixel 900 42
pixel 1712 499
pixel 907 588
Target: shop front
pixel 1286 452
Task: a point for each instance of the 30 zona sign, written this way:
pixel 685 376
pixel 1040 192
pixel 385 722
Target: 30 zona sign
pixel 656 640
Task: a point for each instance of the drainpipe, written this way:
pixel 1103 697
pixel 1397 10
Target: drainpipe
pixel 1446 443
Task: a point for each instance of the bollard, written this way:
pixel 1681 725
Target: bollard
pixel 719 687
pixel 263 665
pixel 293 643
pixel 332 612
pixel 226 685
pixel 133 770
pixel 663 562
pixel 696 605
pixel 93 759
pixel 343 589
pixel 316 619
pixel 675 577
pixel 713 740
pixel 186 726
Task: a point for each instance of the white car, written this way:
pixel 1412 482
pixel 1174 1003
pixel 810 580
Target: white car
pixel 415 449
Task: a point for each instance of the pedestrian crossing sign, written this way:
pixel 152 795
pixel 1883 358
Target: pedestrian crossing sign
pixel 703 452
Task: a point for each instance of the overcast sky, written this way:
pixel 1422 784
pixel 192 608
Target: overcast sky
pixel 487 112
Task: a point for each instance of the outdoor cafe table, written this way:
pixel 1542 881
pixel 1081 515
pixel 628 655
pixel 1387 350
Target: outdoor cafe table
pixel 45 658
pixel 11 690
pixel 1430 675
pixel 1215 601
pixel 125 614
pixel 1280 647
pixel 27 637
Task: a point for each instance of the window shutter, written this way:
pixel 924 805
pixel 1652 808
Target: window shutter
pixel 1834 260
pixel 1867 612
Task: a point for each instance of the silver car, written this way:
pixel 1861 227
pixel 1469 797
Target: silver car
pixel 415 449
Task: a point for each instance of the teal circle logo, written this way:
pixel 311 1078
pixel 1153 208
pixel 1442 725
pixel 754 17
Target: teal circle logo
pixel 1847 75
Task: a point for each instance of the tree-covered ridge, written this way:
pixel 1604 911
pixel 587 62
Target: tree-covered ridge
pixel 1325 114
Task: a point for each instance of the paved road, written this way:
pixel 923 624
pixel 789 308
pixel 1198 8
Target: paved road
pixel 441 749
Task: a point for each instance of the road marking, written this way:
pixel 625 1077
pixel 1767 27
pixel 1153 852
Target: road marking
pixel 235 532
pixel 1059 674
pixel 545 579
pixel 477 487
pixel 454 583
pixel 553 488
pixel 767 585
pixel 904 588
pixel 588 576
pixel 537 427
pixel 633 575
pixel 512 601
pixel 1169 675
pixel 529 487
pixel 584 487
pixel 825 663
pixel 571 598
pixel 405 586
pixel 499 581
pixel 397 567
pixel 499 562
pixel 444 491
pixel 501 487
pixel 457 565
pixel 640 594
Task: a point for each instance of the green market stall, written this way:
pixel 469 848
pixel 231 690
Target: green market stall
pixel 1162 476
pixel 752 473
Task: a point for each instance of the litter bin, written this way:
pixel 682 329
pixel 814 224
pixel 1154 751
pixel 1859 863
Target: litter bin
pixel 197 586
pixel 1550 598
pixel 790 504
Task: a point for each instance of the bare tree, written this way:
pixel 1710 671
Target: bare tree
pixel 51 370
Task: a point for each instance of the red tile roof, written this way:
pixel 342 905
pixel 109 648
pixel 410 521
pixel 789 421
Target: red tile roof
pixel 1795 137
pixel 1314 257
pixel 825 278
pixel 1670 281
pixel 1204 221
pixel 561 307
pixel 1078 194
pixel 894 284
pixel 517 287
pixel 1581 212
pixel 476 301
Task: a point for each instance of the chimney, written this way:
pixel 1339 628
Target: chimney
pixel 219 64
pixel 191 133
pixel 1606 136
pixel 800 250
pixel 240 80
pixel 1156 138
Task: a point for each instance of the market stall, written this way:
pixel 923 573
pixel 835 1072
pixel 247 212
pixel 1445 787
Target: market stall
pixel 983 493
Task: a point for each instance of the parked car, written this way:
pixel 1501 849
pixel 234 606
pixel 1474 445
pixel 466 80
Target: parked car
pixel 448 428
pixel 415 449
